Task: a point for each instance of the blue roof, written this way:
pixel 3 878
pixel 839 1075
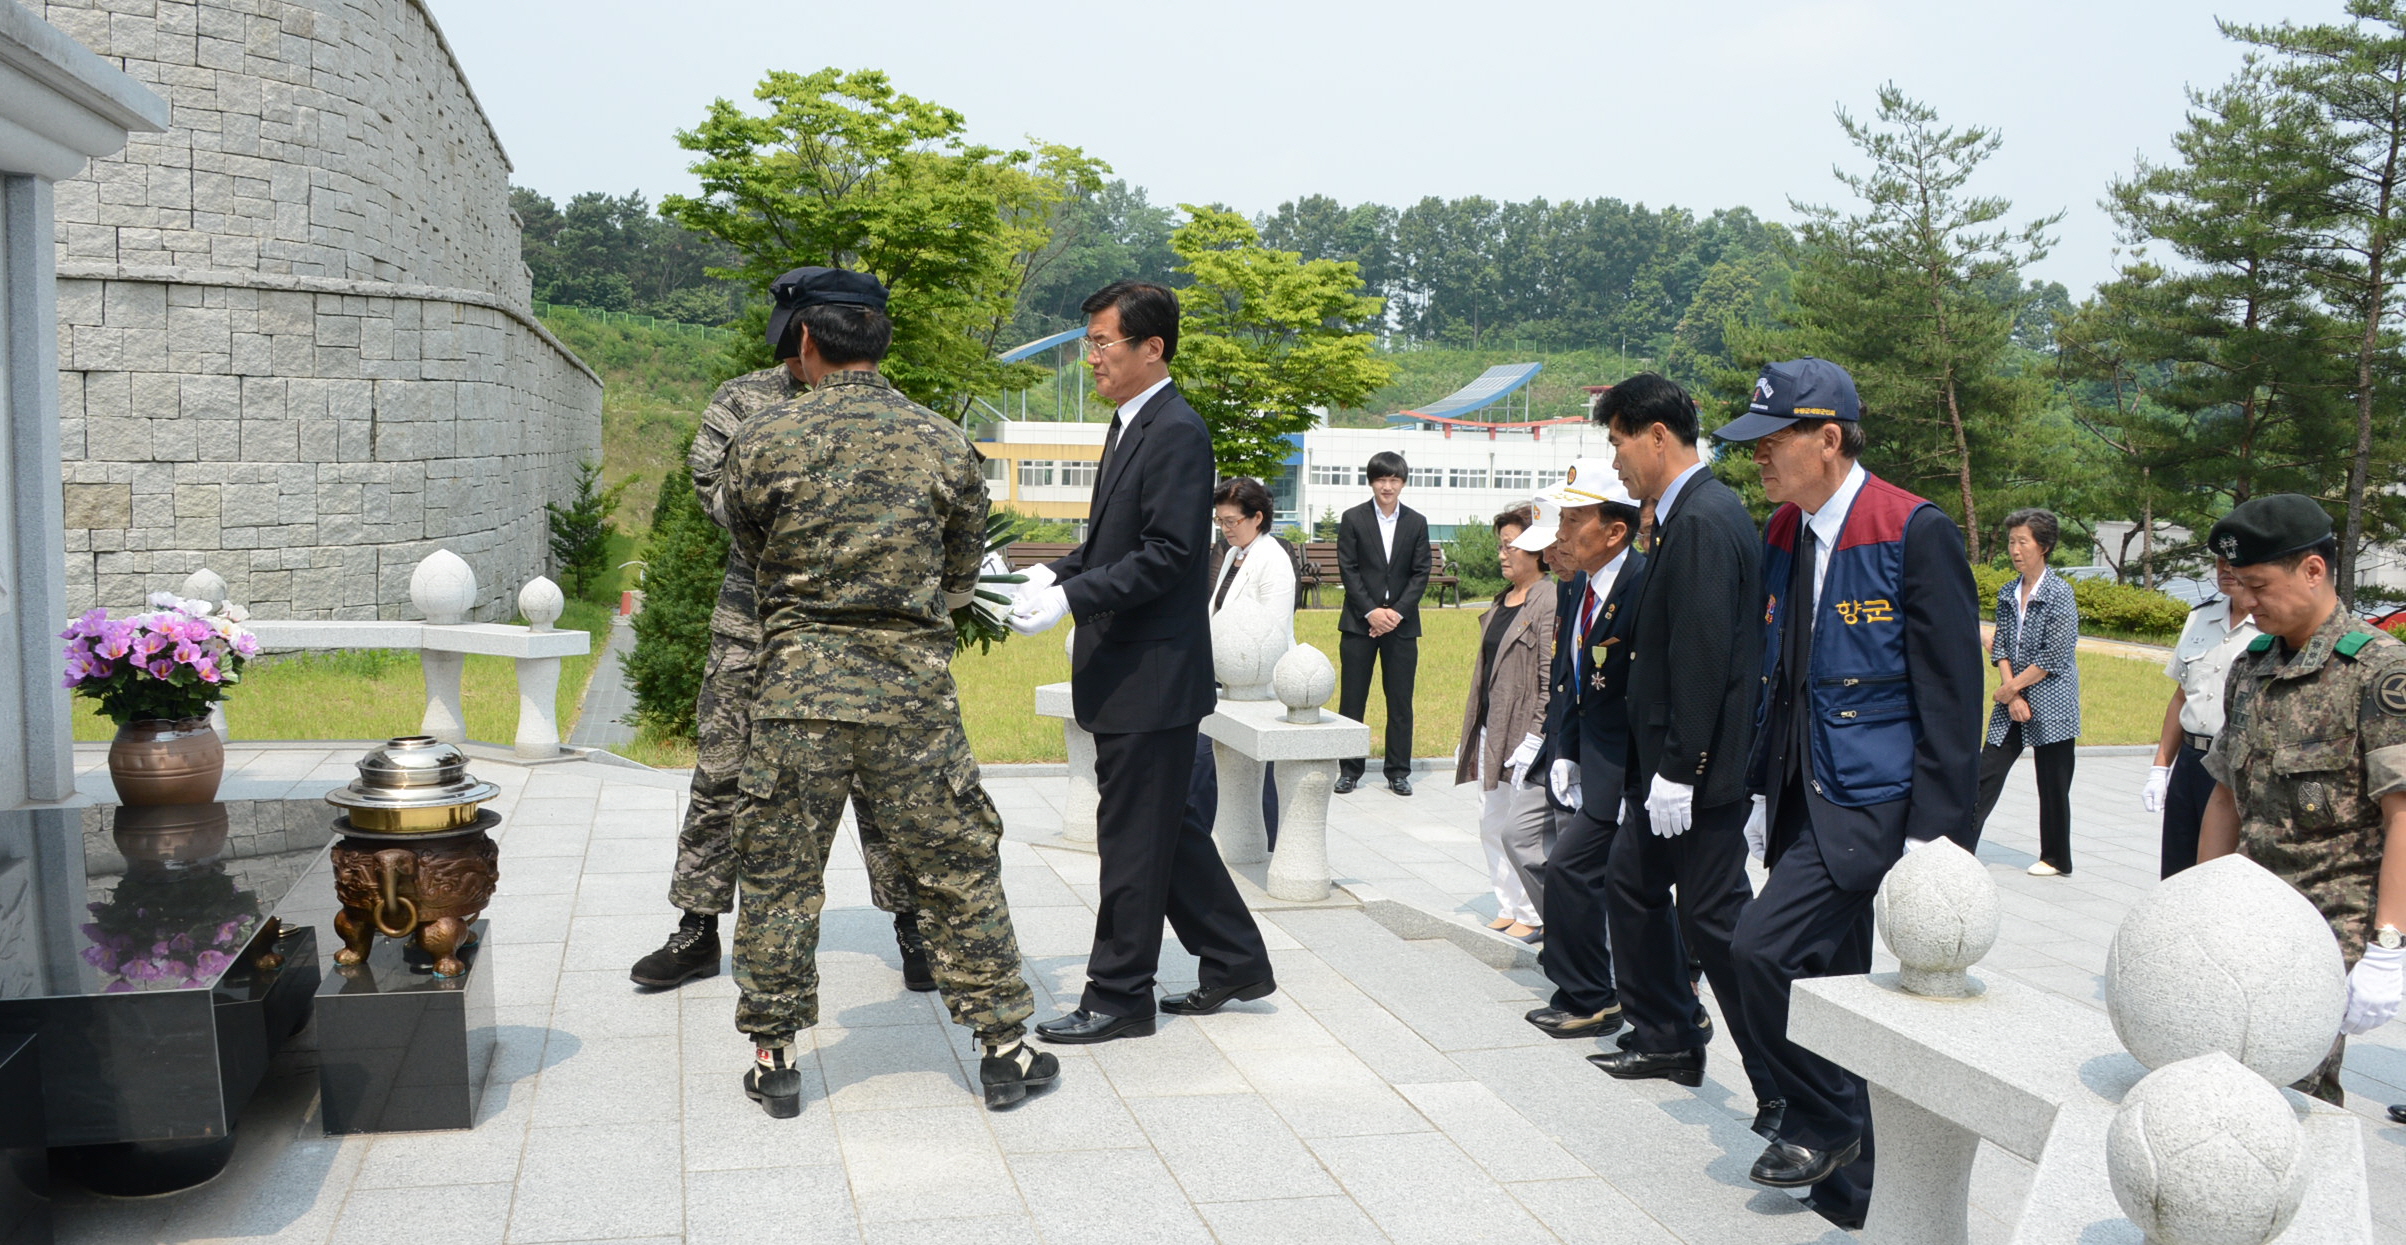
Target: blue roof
pixel 1490 387
pixel 1040 345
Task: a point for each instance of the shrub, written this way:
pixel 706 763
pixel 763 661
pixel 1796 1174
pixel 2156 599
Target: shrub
pixel 2128 608
pixel 1474 553
pixel 580 531
pixel 685 561
pixel 1041 531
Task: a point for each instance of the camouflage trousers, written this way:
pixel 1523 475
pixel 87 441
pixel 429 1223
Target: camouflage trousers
pixel 704 880
pixel 2323 1081
pixel 922 787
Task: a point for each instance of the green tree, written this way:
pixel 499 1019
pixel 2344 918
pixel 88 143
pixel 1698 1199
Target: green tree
pixel 844 170
pixel 1898 294
pixel 1265 336
pixel 2354 75
pixel 685 560
pixel 580 530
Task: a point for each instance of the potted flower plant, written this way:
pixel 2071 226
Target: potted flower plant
pixel 156 675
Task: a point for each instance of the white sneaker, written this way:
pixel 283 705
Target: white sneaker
pixel 2044 870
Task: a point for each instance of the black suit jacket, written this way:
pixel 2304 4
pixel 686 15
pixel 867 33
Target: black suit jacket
pixel 1139 585
pixel 1371 580
pixel 1945 677
pixel 1696 649
pixel 1587 724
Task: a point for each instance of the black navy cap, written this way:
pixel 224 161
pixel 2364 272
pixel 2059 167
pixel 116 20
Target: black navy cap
pixel 1794 390
pixel 810 287
pixel 2262 529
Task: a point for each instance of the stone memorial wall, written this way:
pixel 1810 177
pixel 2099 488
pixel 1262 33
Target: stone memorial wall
pixel 294 341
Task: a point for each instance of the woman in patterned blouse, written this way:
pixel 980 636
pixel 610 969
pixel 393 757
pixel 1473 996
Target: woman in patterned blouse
pixel 2038 696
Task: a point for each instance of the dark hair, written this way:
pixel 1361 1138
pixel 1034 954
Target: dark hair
pixel 847 332
pixel 1145 310
pixel 2043 527
pixel 1522 517
pixel 1851 441
pixel 1615 512
pixel 1645 399
pixel 1388 463
pixel 1247 495
pixel 2327 549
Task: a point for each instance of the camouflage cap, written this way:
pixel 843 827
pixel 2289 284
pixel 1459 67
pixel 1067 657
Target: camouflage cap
pixel 2262 529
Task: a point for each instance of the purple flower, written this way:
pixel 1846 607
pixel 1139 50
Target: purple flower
pixel 247 645
pixel 211 963
pixel 98 957
pixel 161 668
pixel 207 670
pixel 116 987
pixel 187 653
pixel 116 640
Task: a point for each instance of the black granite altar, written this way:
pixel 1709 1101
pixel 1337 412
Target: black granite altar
pixel 160 956
pixel 400 1049
pixel 24 1153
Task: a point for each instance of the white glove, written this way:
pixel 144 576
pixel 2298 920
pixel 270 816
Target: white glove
pixel 1516 766
pixel 1758 831
pixel 2151 796
pixel 1913 845
pixel 955 600
pixel 1040 611
pixel 2374 987
pixel 1670 807
pixel 1038 578
pixel 1565 781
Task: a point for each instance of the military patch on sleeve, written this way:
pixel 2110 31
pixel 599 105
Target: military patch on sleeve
pixel 2392 693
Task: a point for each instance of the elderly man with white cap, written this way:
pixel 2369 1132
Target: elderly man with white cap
pixel 1591 520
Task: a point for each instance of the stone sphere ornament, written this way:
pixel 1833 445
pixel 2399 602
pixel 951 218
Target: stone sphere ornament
pixel 1247 639
pixel 443 587
pixel 2205 1152
pixel 541 603
pixel 1938 913
pixel 1304 681
pixel 204 585
pixel 2226 957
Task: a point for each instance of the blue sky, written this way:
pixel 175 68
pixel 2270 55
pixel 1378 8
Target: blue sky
pixel 1703 105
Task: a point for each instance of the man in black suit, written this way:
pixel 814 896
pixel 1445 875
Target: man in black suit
pixel 1383 558
pixel 1870 745
pixel 1585 758
pixel 1141 682
pixel 1698 627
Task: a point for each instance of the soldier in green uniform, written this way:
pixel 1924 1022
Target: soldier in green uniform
pixel 2310 767
pixel 863 516
pixel 703 884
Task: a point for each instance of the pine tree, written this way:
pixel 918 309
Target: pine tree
pixel 580 531
pixel 685 561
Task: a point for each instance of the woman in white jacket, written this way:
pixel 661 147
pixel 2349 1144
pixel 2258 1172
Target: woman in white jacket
pixel 1252 586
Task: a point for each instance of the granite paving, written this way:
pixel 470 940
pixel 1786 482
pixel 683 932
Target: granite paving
pixel 1388 1092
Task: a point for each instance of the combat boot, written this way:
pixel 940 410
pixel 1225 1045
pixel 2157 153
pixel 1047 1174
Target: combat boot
pixel 916 975
pixel 689 953
pixel 773 1081
pixel 1011 1070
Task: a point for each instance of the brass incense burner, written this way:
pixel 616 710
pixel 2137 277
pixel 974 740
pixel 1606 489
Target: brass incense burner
pixel 415 861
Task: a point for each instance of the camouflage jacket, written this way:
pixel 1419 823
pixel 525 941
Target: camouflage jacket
pixel 857 509
pixel 736 401
pixel 2310 743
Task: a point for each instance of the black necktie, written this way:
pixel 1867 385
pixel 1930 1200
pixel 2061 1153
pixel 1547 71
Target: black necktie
pixel 1796 654
pixel 1110 443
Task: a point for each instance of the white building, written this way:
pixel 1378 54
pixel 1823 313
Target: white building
pixel 1459 476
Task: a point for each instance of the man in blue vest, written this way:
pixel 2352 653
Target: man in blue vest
pixel 1868 745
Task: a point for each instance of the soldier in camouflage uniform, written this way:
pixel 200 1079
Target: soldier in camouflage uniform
pixel 2310 767
pixel 703 885
pixel 863 516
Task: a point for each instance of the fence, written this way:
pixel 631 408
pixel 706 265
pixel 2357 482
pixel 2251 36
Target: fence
pixel 715 335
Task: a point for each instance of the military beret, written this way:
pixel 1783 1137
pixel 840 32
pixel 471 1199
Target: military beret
pixel 2262 529
pixel 811 287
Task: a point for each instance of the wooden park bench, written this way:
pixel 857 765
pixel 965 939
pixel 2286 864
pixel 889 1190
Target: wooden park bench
pixel 1027 553
pixel 1320 571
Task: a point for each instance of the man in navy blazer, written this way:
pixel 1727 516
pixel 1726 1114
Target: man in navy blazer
pixel 1869 745
pixel 1141 682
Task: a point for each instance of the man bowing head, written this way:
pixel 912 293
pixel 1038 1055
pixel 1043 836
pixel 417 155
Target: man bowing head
pixel 1141 682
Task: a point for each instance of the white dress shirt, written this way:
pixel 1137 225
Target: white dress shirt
pixel 1670 493
pixel 1128 409
pixel 1827 524
pixel 1386 526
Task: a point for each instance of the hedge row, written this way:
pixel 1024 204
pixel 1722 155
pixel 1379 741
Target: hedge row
pixel 2103 603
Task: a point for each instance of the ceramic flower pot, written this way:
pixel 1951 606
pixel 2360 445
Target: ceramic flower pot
pixel 170 840
pixel 160 762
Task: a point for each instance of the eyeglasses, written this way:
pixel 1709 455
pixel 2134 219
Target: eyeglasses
pixel 1094 349
pixel 1229 520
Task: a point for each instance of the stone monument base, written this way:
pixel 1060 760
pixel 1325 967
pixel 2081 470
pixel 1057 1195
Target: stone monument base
pixel 400 1049
pixel 24 1153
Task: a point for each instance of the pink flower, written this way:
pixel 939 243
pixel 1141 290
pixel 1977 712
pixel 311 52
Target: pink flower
pixel 150 643
pixel 160 668
pixel 187 653
pixel 207 670
pixel 116 640
pixel 247 644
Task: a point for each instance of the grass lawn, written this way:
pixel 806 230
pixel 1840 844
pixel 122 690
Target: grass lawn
pixel 380 693
pixel 2121 698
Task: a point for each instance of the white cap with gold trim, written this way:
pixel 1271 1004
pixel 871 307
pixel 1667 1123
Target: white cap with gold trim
pixel 1541 535
pixel 1587 482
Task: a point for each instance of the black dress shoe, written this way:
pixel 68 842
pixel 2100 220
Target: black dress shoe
pixel 1400 786
pixel 1555 1022
pixel 1008 1080
pixel 1684 1067
pixel 1704 1024
pixel 1202 1002
pixel 1767 1116
pixel 1787 1165
pixel 1852 1221
pixel 1345 785
pixel 2397 1115
pixel 1082 1026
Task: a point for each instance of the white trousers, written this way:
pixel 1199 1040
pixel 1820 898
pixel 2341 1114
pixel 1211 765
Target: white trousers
pixel 1515 827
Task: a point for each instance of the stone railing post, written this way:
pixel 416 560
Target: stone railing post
pixel 539 677
pixel 1078 810
pixel 444 589
pixel 207 585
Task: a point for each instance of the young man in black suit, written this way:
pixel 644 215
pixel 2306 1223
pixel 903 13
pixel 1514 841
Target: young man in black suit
pixel 1141 682
pixel 1870 745
pixel 1584 760
pixel 1383 558
pixel 1691 707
